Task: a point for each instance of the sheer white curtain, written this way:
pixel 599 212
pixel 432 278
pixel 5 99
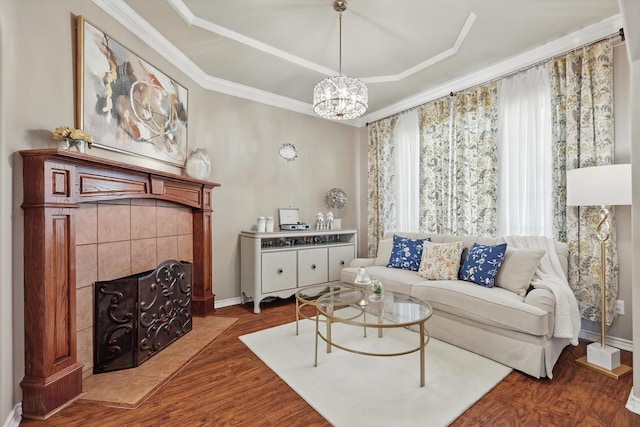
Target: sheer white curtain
pixel 524 154
pixel 406 140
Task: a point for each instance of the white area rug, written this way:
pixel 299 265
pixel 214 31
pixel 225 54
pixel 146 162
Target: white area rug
pixel 352 390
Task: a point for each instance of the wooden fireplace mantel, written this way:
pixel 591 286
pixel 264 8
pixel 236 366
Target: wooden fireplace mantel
pixel 55 182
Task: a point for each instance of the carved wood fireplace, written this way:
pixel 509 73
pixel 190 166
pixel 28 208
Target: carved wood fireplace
pixel 55 183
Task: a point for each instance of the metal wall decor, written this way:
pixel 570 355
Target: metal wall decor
pixel 336 198
pixel 288 152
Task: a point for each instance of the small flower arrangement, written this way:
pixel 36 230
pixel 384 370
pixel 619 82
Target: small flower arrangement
pixel 73 137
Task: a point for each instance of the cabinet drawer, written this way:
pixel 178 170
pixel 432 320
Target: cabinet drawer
pixel 278 271
pixel 312 266
pixel 339 258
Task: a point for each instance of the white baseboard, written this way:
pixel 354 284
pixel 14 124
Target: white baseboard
pixel 616 342
pixel 633 403
pixel 15 416
pixel 228 302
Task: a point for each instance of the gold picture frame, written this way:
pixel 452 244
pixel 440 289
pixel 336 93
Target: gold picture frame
pixel 126 103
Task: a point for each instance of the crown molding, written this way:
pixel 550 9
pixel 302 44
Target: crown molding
pixel 196 21
pixel 556 47
pixel 193 20
pixel 462 35
pixel 129 18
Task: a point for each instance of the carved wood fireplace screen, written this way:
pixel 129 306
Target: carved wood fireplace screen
pixel 55 182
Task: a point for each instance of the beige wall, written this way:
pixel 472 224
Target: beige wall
pixel 242 137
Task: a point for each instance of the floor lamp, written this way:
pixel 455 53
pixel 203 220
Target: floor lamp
pixel 601 186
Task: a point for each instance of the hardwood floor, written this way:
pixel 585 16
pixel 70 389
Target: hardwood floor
pixel 228 385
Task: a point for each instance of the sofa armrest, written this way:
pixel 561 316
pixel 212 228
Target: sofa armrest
pixel 362 262
pixel 545 300
pixel 541 298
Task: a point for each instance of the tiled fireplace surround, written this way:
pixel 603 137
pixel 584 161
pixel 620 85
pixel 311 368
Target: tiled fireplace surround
pixel 88 218
pixel 119 238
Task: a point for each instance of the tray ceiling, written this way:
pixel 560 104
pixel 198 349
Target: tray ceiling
pixel 407 51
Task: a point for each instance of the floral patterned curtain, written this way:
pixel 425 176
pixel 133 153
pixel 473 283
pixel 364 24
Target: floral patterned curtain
pixel 475 136
pixel 434 121
pixel 380 201
pixel 582 96
pixel 459 163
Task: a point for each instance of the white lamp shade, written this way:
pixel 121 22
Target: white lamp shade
pixel 599 186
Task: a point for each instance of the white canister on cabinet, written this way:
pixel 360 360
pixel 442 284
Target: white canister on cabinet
pixel 262 224
pixel 269 224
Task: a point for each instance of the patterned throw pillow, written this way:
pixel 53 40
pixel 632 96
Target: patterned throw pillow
pixel 441 261
pixel 406 253
pixel 482 264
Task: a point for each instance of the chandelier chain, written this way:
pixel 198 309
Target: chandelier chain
pixel 340 48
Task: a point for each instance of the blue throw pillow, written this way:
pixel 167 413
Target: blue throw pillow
pixel 406 253
pixel 482 264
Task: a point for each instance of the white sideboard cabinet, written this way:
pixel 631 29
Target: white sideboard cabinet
pixel 277 264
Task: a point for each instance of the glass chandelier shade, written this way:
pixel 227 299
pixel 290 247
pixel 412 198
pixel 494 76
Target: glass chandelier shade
pixel 340 97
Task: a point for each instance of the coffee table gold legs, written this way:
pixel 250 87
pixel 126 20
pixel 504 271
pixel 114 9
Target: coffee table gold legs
pixel 328 323
pixel 422 354
pixel 297 315
pixel 315 363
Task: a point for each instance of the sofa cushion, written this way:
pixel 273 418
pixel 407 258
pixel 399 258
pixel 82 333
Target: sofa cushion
pixel 406 253
pixel 490 306
pixel 518 268
pixel 393 279
pixel 440 261
pixel 384 252
pixel 482 264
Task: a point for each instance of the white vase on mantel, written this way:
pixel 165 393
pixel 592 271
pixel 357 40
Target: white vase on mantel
pixel 198 164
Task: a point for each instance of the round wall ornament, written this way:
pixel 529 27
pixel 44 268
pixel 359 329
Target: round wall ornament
pixel 288 152
pixel 336 198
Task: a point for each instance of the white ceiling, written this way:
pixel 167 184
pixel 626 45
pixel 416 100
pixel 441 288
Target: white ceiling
pixel 407 51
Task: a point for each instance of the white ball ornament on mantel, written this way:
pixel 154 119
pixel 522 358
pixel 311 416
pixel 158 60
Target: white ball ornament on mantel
pixel 198 164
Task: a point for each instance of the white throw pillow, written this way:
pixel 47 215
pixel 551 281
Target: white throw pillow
pixel 384 252
pixel 518 268
pixel 441 261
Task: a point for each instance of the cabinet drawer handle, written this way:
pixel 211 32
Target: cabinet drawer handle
pixel 313 266
pixel 279 271
pixel 341 262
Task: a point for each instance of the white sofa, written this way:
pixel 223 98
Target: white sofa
pixel 494 322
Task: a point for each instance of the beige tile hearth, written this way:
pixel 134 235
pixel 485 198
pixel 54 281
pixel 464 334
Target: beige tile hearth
pixel 130 387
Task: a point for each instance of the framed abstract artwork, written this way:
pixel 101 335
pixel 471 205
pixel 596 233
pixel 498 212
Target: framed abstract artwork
pixel 126 103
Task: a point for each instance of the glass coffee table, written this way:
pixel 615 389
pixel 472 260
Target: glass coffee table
pixel 354 306
pixel 308 296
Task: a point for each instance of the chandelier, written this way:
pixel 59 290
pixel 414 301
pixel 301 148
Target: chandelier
pixel 340 97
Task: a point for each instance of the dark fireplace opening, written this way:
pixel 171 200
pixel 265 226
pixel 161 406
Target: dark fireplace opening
pixel 139 315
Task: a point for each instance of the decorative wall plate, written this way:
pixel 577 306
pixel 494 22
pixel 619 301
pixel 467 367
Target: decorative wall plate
pixel 288 152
